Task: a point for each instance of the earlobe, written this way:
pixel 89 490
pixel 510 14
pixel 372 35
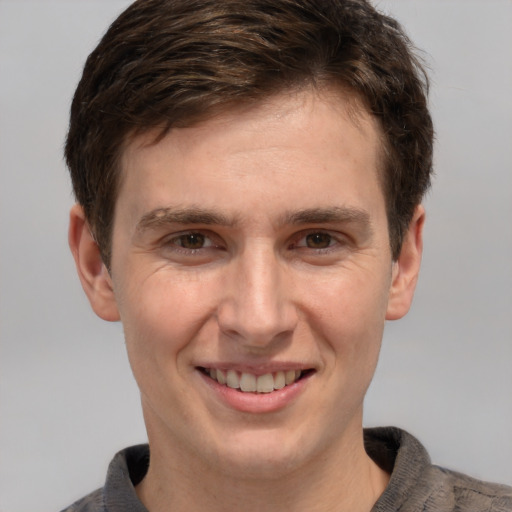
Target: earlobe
pixel 406 268
pixel 92 272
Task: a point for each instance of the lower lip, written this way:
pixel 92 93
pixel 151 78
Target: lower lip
pixel 256 403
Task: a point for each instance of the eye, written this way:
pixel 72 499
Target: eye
pixel 315 240
pixel 192 247
pixel 192 241
pixel 318 240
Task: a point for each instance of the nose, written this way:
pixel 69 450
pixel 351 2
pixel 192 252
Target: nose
pixel 257 308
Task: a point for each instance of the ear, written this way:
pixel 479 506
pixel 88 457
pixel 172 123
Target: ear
pixel 406 268
pixel 92 272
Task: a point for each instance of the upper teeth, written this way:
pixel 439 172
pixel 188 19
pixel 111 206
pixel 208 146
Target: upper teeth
pixel 252 383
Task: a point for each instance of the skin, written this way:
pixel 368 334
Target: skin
pixel 255 241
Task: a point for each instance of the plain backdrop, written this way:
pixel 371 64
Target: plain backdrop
pixel 67 398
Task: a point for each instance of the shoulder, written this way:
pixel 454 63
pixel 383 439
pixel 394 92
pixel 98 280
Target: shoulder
pixel 91 503
pixel 469 494
pixel 125 471
pixel 416 484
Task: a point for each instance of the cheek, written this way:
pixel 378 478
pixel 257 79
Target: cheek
pixel 161 317
pixel 350 301
pixel 347 313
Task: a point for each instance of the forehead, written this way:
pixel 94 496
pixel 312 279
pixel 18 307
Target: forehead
pixel 303 138
pixel 340 100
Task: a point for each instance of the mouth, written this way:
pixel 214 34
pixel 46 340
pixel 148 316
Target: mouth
pixel 251 383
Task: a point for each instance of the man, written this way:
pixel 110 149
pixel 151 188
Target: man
pixel 249 177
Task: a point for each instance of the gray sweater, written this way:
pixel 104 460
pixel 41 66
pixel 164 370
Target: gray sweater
pixel 415 485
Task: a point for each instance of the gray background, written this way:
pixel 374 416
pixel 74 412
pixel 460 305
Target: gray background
pixel 67 398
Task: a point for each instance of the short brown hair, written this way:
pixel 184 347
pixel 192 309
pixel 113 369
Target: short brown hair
pixel 169 63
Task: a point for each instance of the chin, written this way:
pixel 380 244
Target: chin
pixel 260 455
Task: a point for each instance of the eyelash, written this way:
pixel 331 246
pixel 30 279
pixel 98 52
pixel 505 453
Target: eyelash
pixel 334 242
pixel 173 242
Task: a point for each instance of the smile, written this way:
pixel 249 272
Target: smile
pixel 250 383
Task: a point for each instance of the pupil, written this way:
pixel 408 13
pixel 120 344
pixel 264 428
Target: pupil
pixel 318 240
pixel 192 241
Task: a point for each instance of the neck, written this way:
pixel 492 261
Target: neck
pixel 342 478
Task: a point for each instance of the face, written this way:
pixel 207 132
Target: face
pixel 252 272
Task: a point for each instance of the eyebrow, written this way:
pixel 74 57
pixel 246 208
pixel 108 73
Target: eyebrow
pixel 196 215
pixel 334 214
pixel 191 215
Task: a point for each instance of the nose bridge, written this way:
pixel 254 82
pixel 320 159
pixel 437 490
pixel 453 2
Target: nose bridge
pixel 258 307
